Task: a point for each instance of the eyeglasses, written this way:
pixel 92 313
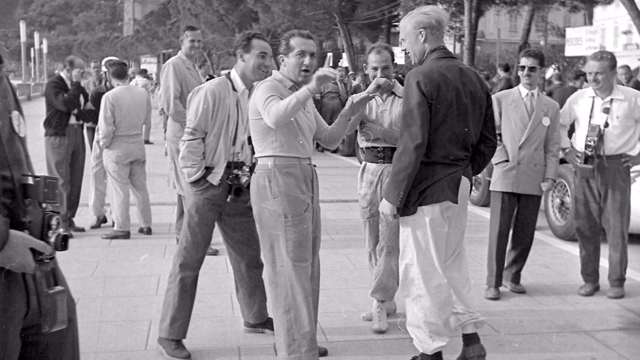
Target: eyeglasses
pixel 531 69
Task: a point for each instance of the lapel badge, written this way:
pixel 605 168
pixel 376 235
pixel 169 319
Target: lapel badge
pixel 546 121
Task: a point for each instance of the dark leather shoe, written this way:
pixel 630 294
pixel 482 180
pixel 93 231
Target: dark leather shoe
pixel 145 230
pixel 211 251
pixel 147 142
pixel 473 352
pixel 73 227
pixel 173 349
pixel 515 288
pixel 615 292
pixel 492 294
pixel 100 220
pixel 588 289
pixel 117 234
pixel 259 328
pixel 322 351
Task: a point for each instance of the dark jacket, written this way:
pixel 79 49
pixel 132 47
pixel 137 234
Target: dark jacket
pixel 95 98
pixel 561 94
pixel 503 83
pixel 60 102
pixel 448 131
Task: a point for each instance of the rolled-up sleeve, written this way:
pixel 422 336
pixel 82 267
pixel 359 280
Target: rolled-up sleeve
pixel 192 149
pixel 275 107
pixel 330 136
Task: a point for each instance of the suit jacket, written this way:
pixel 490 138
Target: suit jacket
pixel 529 149
pixel 503 83
pixel 60 102
pixel 447 129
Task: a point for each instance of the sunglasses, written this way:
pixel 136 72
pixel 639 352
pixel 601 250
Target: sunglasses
pixel 531 69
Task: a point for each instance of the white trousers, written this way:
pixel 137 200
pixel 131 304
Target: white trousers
pixel 434 275
pixel 98 191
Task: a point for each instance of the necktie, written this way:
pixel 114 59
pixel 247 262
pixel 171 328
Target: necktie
pixel 529 103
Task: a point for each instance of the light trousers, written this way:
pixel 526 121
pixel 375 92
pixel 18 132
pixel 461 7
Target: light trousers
pixel 284 195
pixel 206 204
pixel 434 275
pixel 174 133
pixel 380 232
pixel 98 191
pixel 124 161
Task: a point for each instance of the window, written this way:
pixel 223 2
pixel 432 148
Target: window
pixel 513 21
pixel 540 22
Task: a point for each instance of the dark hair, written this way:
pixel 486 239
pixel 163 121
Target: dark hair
pixel 118 70
pixel 625 66
pixel 190 28
pixel 381 47
pixel 577 75
pixel 505 67
pixel 533 54
pixel 244 39
pixel 1 60
pixel 604 56
pixel 72 62
pixel 285 40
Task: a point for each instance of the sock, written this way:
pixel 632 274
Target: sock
pixel 470 339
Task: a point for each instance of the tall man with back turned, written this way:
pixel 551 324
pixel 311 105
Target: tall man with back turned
pixel 178 77
pixel 215 146
pixel 448 135
pixel 378 132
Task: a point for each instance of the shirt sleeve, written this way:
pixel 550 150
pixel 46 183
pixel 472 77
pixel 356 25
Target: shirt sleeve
pixel 274 108
pixel 331 136
pixel 200 105
pixel 171 93
pixel 552 145
pixel 567 117
pixel 106 122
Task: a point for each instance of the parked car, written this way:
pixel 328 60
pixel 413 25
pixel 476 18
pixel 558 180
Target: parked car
pixel 558 202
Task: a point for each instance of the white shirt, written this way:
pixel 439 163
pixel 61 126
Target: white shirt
pixel 524 91
pixel 238 152
pixel 622 136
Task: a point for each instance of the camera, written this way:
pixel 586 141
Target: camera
pixel 40 194
pixel 238 177
pixel 592 145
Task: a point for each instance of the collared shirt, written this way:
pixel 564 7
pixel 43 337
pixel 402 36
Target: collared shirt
pixel 524 91
pixel 284 121
pixel 178 77
pixel 123 112
pixel 213 111
pixel 379 124
pixel 621 136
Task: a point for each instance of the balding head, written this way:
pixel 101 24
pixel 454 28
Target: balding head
pixel 422 29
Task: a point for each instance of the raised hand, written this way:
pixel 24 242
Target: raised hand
pixel 322 77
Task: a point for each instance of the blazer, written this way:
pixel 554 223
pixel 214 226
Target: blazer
pixel 530 148
pixel 447 131
pixel 60 102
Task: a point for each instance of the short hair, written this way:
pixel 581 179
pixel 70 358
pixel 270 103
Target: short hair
pixel 244 39
pixel 505 67
pixel 188 28
pixel 533 54
pixel 624 67
pixel 604 56
pixel 118 70
pixel 285 40
pixel 577 74
pixel 142 72
pixel 72 62
pixel 434 19
pixel 380 47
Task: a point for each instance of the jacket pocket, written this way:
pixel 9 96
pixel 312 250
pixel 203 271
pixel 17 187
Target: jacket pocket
pixel 501 156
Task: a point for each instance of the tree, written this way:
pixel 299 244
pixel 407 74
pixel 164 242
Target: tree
pixel 634 12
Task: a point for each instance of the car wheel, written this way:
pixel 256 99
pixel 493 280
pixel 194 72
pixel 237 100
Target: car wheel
pixel 480 194
pixel 558 203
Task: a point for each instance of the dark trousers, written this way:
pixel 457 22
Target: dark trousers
pixel 205 205
pixel 65 160
pixel 507 210
pixel 91 134
pixel 602 210
pixel 20 334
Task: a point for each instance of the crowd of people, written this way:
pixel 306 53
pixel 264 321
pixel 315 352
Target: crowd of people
pixel 240 150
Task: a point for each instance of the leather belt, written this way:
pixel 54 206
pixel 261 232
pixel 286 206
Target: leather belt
pixel 378 154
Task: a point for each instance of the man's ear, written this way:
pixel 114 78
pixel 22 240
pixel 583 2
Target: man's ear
pixel 364 68
pixel 281 59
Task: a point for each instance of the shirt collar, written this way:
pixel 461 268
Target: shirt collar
pixel 524 91
pixel 277 75
pixel 615 94
pixel 237 81
pixel 66 80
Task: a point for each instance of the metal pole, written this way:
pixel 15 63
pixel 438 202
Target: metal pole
pixel 23 48
pixel 45 50
pixel 36 41
pixel 32 65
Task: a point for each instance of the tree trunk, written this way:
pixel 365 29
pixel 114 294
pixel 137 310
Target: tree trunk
pixel 526 26
pixel 385 32
pixel 633 11
pixel 347 41
pixel 470 31
pixel 588 12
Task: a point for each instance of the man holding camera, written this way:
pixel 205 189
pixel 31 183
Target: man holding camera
pixel 605 145
pixel 26 322
pixel 216 161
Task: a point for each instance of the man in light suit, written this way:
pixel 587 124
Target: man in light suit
pixel 525 165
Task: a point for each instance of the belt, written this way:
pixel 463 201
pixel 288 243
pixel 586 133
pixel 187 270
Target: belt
pixel 277 160
pixel 76 124
pixel 235 164
pixel 378 154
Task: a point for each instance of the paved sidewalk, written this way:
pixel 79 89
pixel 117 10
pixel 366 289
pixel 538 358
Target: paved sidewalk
pixel 119 286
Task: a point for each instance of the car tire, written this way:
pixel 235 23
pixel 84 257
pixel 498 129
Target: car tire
pixel 480 194
pixel 558 205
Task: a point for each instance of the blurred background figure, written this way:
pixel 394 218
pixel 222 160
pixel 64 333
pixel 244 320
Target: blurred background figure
pixel 143 80
pixel 626 78
pixel 503 79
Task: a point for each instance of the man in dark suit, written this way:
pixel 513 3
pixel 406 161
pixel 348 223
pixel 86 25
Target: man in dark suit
pixel 576 81
pixel 504 78
pixel 63 137
pixel 448 135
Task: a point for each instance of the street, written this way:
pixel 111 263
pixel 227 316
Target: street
pixel 119 285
